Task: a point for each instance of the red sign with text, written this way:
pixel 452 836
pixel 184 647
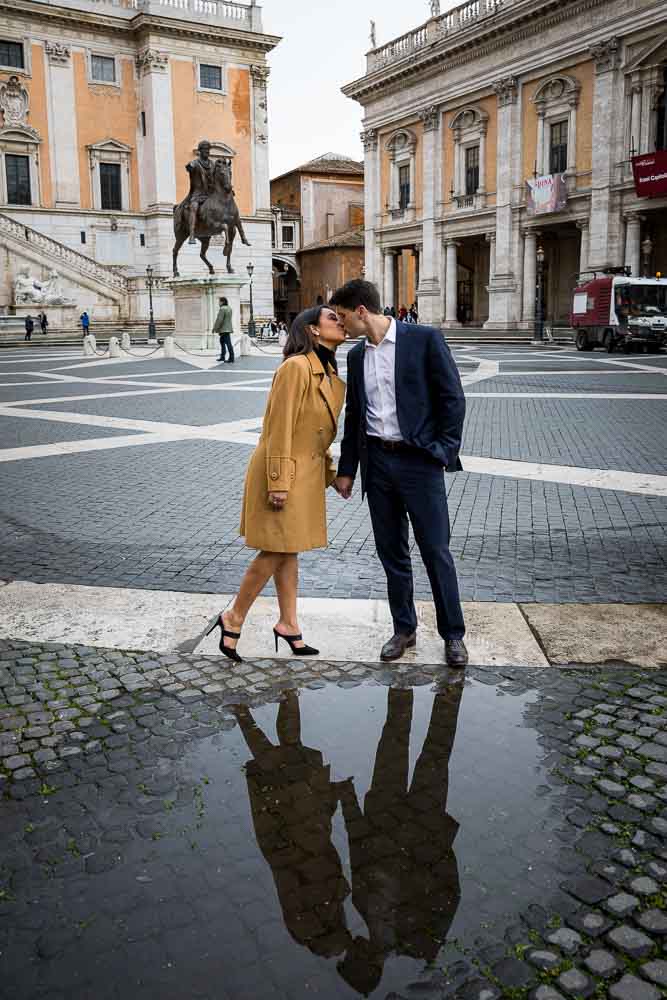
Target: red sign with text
pixel 650 172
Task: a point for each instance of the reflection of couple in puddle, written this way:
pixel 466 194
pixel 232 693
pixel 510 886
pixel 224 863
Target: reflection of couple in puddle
pixel 405 879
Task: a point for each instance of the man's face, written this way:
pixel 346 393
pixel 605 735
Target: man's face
pixel 204 151
pixel 352 320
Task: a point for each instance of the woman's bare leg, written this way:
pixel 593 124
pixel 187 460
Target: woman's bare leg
pixel 286 578
pixel 255 578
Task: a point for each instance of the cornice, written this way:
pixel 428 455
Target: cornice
pixel 481 39
pixel 137 27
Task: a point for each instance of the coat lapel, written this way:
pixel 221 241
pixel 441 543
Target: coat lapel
pixel 332 391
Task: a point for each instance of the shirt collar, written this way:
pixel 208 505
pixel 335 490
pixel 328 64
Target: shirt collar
pixel 389 336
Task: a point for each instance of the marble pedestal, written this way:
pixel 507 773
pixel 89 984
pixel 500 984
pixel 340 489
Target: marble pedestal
pixel 59 317
pixel 196 304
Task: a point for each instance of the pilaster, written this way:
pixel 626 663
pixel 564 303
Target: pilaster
pixel 157 154
pixel 605 55
pixel 262 185
pixel 62 126
pixel 373 257
pixel 429 259
pixel 502 286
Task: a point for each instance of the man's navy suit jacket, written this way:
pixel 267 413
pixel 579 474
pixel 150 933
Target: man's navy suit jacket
pixel 429 400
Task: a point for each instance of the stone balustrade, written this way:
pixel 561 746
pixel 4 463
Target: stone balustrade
pixel 56 251
pixel 244 16
pixel 457 19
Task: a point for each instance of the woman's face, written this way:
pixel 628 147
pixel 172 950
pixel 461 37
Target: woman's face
pixel 330 330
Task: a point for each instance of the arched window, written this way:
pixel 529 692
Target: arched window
pixel 402 147
pixel 556 102
pixel 469 128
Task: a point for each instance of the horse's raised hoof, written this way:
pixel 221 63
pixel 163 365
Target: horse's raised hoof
pixel 247 243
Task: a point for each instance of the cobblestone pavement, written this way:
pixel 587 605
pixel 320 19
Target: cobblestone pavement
pixel 178 827
pixel 130 474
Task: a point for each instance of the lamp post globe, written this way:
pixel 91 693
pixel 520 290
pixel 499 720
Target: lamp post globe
pixel 251 323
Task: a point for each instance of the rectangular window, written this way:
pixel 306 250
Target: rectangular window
pixel 18 180
pixel 110 190
pixel 83 236
pixel 143 123
pixel 403 187
pixel 288 237
pixel 558 148
pixel 273 235
pixel 11 54
pixel 472 170
pixel 142 240
pixel 103 69
pixel 210 77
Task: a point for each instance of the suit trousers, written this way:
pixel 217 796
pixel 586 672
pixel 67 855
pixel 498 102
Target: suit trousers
pixel 409 484
pixel 226 346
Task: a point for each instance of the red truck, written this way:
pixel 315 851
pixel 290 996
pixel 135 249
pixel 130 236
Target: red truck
pixel 617 310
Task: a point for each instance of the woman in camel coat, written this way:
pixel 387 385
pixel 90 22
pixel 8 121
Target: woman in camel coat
pixel 284 510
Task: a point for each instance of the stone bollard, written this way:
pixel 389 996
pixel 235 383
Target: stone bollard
pixel 169 347
pixel 93 341
pixel 126 341
pixel 114 347
pixel 88 349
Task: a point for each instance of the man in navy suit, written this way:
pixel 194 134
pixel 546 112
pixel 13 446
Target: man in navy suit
pixel 403 424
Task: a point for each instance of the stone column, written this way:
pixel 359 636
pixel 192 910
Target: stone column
pixel 529 276
pixel 491 240
pixel 372 208
pixel 633 239
pixel 451 285
pixel 636 117
pixel 481 187
pixel 602 243
pixel 262 187
pixel 572 137
pixel 389 257
pixel 157 154
pixel 62 125
pixel 429 264
pixel 502 310
pixel 539 156
pixel 583 227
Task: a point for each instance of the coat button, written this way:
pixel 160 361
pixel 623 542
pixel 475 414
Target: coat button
pixel 274 475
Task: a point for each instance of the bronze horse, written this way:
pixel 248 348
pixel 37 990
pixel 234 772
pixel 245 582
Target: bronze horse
pixel 218 214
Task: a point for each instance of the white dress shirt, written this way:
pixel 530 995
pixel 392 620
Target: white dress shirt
pixel 380 382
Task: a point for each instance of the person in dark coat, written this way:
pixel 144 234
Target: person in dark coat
pixel 43 322
pixel 403 426
pixel 29 327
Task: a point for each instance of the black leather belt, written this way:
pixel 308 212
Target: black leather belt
pixel 389 445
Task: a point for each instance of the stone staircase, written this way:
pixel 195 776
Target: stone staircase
pixel 77 267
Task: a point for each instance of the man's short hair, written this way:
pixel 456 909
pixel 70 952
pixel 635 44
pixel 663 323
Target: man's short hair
pixel 223 301
pixel 357 293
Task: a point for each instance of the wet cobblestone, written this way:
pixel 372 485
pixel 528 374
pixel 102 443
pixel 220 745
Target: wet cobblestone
pixel 89 805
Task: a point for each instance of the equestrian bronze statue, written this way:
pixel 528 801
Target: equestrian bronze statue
pixel 209 208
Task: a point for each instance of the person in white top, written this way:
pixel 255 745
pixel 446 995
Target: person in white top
pixel 403 425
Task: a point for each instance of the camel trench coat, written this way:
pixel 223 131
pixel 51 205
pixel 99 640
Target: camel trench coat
pixel 293 456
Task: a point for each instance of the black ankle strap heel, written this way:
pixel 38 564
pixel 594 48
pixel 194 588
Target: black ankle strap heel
pixel 296 650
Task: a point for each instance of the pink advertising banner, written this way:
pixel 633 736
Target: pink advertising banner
pixel 546 194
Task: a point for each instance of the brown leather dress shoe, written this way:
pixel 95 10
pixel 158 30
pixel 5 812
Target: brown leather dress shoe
pixel 456 654
pixel 397 645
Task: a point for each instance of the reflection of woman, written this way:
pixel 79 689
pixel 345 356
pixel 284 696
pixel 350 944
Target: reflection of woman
pixel 293 801
pixel 284 510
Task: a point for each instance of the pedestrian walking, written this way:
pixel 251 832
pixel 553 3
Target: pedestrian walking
pixel 284 507
pixel 29 327
pixel 43 322
pixel 403 425
pixel 84 319
pixel 224 327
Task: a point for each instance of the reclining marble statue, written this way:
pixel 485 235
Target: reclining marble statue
pixel 29 290
pixel 209 208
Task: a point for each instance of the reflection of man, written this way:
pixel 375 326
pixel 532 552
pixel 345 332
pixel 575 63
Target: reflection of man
pixel 293 801
pixel 405 879
pixel 201 183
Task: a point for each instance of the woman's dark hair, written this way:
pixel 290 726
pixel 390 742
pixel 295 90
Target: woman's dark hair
pixel 299 339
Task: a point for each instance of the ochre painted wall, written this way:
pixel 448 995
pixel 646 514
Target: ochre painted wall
pixel 583 72
pixel 104 112
pixel 38 118
pixel 199 115
pixel 287 192
pixel 332 267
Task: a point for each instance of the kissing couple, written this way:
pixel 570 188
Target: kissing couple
pixel 403 424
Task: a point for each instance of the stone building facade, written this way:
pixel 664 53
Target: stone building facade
pixel 102 103
pixel 462 114
pixel 311 204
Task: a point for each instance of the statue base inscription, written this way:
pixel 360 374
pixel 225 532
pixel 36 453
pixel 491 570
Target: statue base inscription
pixel 196 304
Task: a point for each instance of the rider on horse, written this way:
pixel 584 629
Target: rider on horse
pixel 201 184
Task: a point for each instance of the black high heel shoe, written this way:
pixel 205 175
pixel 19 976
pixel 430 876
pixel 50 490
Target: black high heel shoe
pixel 227 651
pixel 297 650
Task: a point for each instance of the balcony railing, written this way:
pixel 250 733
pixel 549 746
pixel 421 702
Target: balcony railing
pixel 457 19
pixel 239 15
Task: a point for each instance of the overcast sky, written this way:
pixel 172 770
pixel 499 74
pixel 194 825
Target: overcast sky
pixel 323 47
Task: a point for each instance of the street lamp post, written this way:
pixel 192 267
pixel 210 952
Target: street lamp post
pixel 251 322
pixel 150 281
pixel 647 250
pixel 539 297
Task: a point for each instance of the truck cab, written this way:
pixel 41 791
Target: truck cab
pixel 616 310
